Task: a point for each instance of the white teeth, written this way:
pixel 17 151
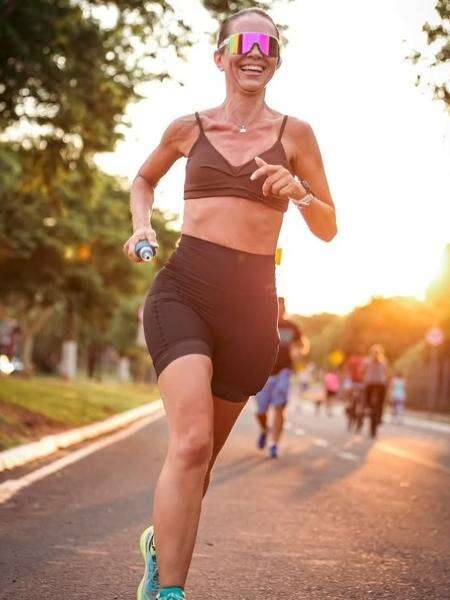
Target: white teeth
pixel 252 68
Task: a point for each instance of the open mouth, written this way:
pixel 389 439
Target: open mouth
pixel 252 69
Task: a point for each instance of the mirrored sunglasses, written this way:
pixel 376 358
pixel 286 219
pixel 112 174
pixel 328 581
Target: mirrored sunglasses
pixel 241 43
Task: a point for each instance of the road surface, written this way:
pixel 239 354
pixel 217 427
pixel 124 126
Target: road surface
pixel 336 517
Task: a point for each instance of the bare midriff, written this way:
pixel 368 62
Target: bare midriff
pixel 233 222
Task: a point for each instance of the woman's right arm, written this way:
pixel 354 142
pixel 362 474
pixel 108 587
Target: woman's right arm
pixel 169 150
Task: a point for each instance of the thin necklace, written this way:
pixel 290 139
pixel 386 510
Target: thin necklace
pixel 242 126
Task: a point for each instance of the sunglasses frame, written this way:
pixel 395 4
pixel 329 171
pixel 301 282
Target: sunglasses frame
pixel 226 42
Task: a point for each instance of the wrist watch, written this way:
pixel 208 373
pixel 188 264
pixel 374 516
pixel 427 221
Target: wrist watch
pixel 306 200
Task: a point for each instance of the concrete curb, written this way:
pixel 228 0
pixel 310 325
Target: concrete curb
pixel 20 455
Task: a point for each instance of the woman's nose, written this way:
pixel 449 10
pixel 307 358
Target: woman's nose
pixel 255 51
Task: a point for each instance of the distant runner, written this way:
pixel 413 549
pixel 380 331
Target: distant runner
pixel 275 392
pixel 332 385
pixel 354 369
pixel 397 395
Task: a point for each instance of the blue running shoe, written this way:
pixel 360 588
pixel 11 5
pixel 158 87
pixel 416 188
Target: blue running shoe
pixel 261 443
pixel 175 593
pixel 149 586
pixel 273 452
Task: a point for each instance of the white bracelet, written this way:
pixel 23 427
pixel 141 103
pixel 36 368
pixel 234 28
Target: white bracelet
pixel 305 201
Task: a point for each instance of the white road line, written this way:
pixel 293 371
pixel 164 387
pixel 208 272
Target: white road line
pixel 348 456
pixel 321 443
pixel 400 453
pixel 299 431
pixel 11 487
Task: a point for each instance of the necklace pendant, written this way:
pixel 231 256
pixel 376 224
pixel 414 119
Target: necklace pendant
pixel 242 129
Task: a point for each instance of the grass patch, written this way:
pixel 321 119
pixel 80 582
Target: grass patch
pixel 31 408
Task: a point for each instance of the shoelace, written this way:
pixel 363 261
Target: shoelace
pixel 155 577
pixel 155 573
pixel 173 596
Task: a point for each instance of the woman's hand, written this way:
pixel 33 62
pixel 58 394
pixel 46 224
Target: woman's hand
pixel 142 233
pixel 279 181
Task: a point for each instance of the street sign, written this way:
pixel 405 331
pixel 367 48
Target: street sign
pixel 336 358
pixel 434 336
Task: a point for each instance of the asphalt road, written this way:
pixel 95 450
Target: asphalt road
pixel 336 517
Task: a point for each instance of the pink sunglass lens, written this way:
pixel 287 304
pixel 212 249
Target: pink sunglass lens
pixel 249 39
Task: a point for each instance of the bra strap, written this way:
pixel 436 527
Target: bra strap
pixel 197 116
pixel 283 124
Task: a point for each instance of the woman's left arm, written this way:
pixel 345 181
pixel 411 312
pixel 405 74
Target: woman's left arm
pixel 320 215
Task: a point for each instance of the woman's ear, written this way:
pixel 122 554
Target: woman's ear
pixel 217 59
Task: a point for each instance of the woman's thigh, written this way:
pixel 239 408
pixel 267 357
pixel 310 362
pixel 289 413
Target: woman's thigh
pixel 185 386
pixel 246 345
pixel 173 328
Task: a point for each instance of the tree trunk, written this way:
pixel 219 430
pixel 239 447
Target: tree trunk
pixel 68 364
pixel 27 352
pixel 32 321
pixel 123 369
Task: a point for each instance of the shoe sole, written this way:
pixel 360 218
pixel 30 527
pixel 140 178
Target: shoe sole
pixel 142 548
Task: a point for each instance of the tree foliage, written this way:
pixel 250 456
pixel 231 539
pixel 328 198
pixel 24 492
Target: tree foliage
pixel 67 78
pixel 221 9
pixel 395 323
pixel 437 56
pixel 63 240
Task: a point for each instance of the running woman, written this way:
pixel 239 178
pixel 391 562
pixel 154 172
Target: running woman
pixel 210 316
pixel 275 392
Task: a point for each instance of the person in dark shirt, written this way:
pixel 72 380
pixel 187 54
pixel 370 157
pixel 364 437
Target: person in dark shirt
pixel 276 390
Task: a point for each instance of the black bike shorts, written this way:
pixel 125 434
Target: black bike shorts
pixel 212 300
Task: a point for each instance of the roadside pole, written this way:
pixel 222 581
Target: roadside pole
pixel 434 338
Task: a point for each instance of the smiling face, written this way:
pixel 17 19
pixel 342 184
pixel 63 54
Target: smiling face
pixel 252 71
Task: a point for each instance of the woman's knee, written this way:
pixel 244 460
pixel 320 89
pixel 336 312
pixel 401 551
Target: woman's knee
pixel 194 448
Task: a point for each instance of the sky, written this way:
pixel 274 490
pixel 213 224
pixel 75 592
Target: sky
pixel 385 145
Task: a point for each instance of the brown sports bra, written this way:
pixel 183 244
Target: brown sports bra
pixel 208 172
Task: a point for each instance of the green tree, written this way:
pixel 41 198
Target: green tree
pixel 395 323
pixel 437 55
pixel 221 9
pixel 324 332
pixel 71 78
pixel 70 250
